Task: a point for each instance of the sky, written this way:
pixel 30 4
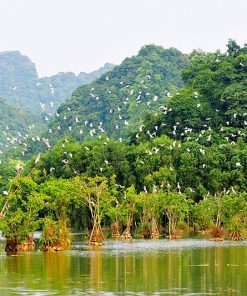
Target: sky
pixel 82 35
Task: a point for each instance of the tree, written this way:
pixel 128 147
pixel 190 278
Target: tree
pixel 95 193
pixel 22 217
pixel 177 208
pixel 60 193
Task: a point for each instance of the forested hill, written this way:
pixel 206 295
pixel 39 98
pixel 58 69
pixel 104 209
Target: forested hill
pixel 185 165
pixel 116 103
pixel 212 108
pixel 195 144
pixel 15 124
pixel 21 86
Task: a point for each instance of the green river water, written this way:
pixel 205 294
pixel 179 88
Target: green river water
pixel 139 267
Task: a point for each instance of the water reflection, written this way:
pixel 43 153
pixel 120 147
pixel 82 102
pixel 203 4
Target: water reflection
pixel 120 268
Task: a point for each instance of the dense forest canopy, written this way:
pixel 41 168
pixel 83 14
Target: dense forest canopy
pixel 182 162
pixel 115 104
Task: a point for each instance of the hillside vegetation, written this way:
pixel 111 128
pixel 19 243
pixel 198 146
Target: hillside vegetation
pixel 17 125
pixel 183 167
pixel 21 86
pixel 115 104
pixel 29 101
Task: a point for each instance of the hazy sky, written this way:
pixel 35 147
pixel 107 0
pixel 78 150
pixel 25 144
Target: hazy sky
pixel 81 35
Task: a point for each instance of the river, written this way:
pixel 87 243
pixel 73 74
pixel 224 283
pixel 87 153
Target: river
pixel 140 267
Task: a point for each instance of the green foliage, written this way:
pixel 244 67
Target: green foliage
pixel 177 208
pixel 24 204
pixel 115 104
pixel 21 86
pixel 14 125
pixel 185 164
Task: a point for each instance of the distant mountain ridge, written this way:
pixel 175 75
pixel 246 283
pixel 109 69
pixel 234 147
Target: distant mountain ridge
pixel 21 86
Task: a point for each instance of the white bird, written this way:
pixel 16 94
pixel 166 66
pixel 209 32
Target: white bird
pixel 195 94
pixel 18 168
pixel 156 150
pixel 75 171
pixel 202 151
pixel 42 106
pixel 37 159
pixel 141 127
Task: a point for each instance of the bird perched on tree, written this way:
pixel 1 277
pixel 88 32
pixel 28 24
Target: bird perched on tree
pixel 18 168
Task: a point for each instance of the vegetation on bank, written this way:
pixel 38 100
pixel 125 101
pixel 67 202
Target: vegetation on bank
pixel 183 170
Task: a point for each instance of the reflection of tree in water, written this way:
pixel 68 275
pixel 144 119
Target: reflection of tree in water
pixel 96 271
pixel 16 269
pixel 57 270
pixel 218 269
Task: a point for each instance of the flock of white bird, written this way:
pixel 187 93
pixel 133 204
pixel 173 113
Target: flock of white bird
pixel 120 121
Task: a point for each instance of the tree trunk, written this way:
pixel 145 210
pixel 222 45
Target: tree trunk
pixel 96 236
pixel 127 234
pixel 154 229
pixel 115 229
